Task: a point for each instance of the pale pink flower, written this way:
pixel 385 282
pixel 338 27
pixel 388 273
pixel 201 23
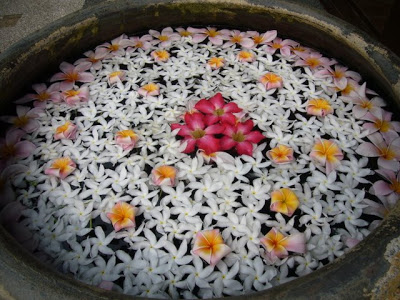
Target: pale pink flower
pixel 126 139
pixel 94 58
pixel 327 153
pixel 278 246
pixel 236 37
pixel 150 89
pixel 262 38
pixel 190 31
pixel 386 148
pixel 117 46
pixel 319 107
pixel 363 105
pixel 381 209
pixel 284 46
pixel 216 62
pixel 210 246
pixel 214 36
pixel 43 94
pixel 246 56
pixel 66 131
pixel 70 74
pixel 313 60
pixel 61 167
pixel 340 75
pixel 12 147
pixel 73 97
pixel 389 187
pixel 271 81
pixel 115 77
pixel 381 121
pixel 164 175
pixel 25 119
pixel 281 154
pixel 351 89
pixel 165 37
pixel 143 42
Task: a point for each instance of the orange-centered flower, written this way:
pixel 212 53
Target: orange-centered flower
pixel 66 131
pixel 319 107
pixel 216 62
pixel 271 81
pixel 284 201
pixel 327 153
pixel 210 246
pixel 281 154
pixel 150 89
pixel 164 175
pixel 61 167
pixel 160 55
pixel 122 215
pixel 126 139
pixel 246 56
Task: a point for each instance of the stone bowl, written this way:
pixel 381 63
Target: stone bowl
pixel 369 270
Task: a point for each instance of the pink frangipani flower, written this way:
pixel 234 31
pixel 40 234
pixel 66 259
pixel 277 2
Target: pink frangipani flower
pixel 389 187
pixel 327 154
pixel 216 110
pixel 70 74
pixel 214 36
pixel 196 133
pixel 126 139
pixel 43 94
pixel 117 46
pixel 25 119
pixel 246 56
pixel 386 148
pixel 281 154
pixel 210 246
pixel 122 215
pixel 150 89
pixel 116 77
pixel 236 37
pixel 73 97
pixel 262 38
pixel 339 74
pixel 188 32
pixel 381 121
pixel 94 58
pixel 61 167
pixel 313 60
pixel 160 55
pixel 143 42
pixel 284 46
pixel 241 136
pixel 165 37
pixel 164 175
pixel 278 246
pixel 66 131
pixel 12 147
pixel 271 81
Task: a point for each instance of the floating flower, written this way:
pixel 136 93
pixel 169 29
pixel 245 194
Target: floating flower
pixel 43 94
pixel 61 167
pixel 160 55
pixel 150 89
pixel 70 74
pixel 384 188
pixel 319 107
pixel 126 139
pixel 115 77
pixel 164 175
pixel 284 201
pixel 195 133
pixel 313 60
pixel 262 38
pixel 216 110
pixel 210 246
pixel 122 215
pixel 214 36
pixel 189 32
pixel 278 245
pixel 73 97
pixel 271 81
pixel 25 119
pixel 12 146
pixel 340 75
pixel 351 89
pixel 327 153
pixel 142 42
pixel 164 38
pixel 216 62
pixel 236 37
pixel 66 131
pixel 281 154
pixel 381 121
pixel 117 45
pixel 386 148
pixel 284 46
pixel 246 56
pixel 94 58
pixel 241 137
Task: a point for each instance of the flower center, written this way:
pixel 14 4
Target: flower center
pixel 127 133
pixel 163 38
pixel 212 33
pixel 395 186
pixel 387 154
pixel 63 128
pixel 93 60
pixel 161 55
pixel 113 47
pixel 165 172
pixel 258 39
pixel 198 134
pixel 185 33
pixel 151 87
pixel 21 121
pixel 313 62
pixel 338 74
pixel 238 137
pixel 276 46
pixel 43 96
pixel 219 112
pixel 61 164
pixel 115 74
pixel 71 93
pixel 320 104
pixel 72 77
pixel 236 39
pixel 245 55
pixel 383 126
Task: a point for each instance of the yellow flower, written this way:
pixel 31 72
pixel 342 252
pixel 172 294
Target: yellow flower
pixel 122 215
pixel 327 153
pixel 319 107
pixel 216 62
pixel 284 201
pixel 210 246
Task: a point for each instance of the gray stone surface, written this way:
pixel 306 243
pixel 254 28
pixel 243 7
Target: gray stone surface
pixel 19 18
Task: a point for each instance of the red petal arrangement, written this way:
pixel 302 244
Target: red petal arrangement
pixel 214 127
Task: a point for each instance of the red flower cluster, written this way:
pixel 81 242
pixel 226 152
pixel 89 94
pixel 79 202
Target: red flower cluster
pixel 214 117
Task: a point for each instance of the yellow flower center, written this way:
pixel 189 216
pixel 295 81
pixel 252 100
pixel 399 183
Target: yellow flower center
pixel 320 103
pixel 395 186
pixel 238 137
pixel 63 128
pixel 113 47
pixel 93 60
pixel 212 33
pixel 185 33
pixel 163 38
pixel 127 133
pixel 161 55
pixel 258 39
pixel 165 172
pixel 270 77
pixel 366 104
pixel 21 121
pixel 243 55
pixel 216 62
pixel 313 62
pixel 236 39
pixel 338 74
pixel 348 89
pixel 276 46
pixel 198 133
pixel 71 76
pixel 150 87
pixel 387 154
pixel 219 112
pixel 62 164
pixel 115 74
pixel 43 96
pixel 71 93
pixel 383 126
pixel 298 48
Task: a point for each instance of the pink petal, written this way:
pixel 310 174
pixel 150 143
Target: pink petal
pixel 247 43
pixel 31 126
pixel 194 121
pixel 285 51
pixel 245 127
pixel 217 100
pixel 368 149
pixel 244 148
pixel 228 118
pixel 388 164
pixel 191 143
pixel 209 144
pixel 359 111
pixel 85 77
pixel 227 143
pixel 219 252
pixel 205 106
pixel 296 243
pixel 211 119
pixel 13 136
pixel 83 67
pixel 254 137
pixel 217 41
pixel 52 171
pixel 382 188
pixel 67 67
pixel 24 149
pixel 198 38
pixel 66 85
pixel 232 107
pixel 215 129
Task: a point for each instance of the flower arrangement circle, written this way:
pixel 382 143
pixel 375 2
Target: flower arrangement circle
pixel 154 164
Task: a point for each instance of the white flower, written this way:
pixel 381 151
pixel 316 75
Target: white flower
pixel 198 275
pixel 257 275
pixel 177 196
pixel 307 264
pixel 78 256
pixel 322 182
pixel 192 169
pixel 224 281
pixel 238 169
pixel 100 242
pixel 101 271
pixel 206 188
